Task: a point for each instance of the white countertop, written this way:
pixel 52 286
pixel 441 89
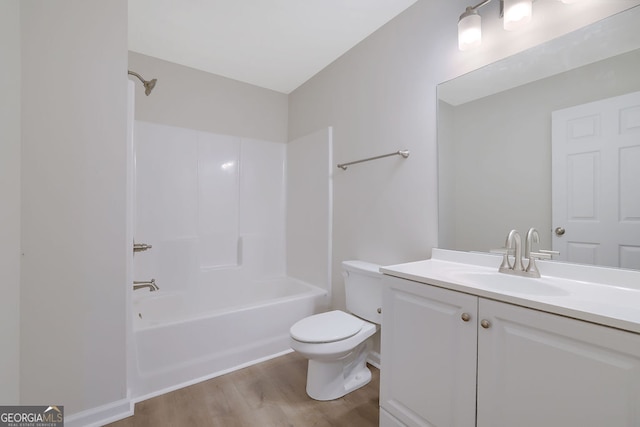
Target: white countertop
pixel 602 295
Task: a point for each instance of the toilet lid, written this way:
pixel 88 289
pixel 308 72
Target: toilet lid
pixel 326 327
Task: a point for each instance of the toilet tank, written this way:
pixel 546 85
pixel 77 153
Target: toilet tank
pixel 363 289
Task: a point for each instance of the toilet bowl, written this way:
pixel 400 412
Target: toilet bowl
pixel 337 343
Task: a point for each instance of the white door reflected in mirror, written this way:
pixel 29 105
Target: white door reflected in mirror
pixel 596 182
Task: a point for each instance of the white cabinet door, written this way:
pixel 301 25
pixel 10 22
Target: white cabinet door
pixel 538 369
pixel 428 355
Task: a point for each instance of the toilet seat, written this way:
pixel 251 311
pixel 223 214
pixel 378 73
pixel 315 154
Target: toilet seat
pixel 326 327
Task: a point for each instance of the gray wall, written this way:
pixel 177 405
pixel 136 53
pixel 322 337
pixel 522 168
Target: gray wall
pixel 10 197
pixel 74 61
pixel 194 99
pixel 379 98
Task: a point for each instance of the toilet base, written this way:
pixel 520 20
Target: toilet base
pixel 329 380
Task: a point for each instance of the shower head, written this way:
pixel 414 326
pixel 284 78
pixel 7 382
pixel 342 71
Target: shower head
pixel 148 85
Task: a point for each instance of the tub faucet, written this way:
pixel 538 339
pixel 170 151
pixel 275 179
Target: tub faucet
pixel 151 285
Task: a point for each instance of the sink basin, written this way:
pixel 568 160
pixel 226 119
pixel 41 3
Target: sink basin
pixel 508 283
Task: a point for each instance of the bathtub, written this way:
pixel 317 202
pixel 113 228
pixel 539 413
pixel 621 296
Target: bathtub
pixel 182 338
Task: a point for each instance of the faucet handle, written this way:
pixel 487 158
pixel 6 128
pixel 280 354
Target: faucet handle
pixel 502 251
pixel 141 247
pixel 540 255
pixel 548 252
pixel 532 268
pixel 505 252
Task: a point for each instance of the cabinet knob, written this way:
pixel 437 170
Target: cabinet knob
pixel 465 317
pixel 485 323
pixel 379 310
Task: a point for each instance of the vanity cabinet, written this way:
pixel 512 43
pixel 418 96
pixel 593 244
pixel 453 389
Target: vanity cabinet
pixel 455 359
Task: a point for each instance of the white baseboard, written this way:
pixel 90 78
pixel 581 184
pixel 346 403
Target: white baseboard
pixel 101 415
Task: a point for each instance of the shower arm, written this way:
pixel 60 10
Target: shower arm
pixel 148 85
pixel 133 73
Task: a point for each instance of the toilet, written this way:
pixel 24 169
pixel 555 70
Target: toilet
pixel 337 343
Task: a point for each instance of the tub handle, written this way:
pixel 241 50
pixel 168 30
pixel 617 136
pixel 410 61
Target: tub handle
pixel 141 247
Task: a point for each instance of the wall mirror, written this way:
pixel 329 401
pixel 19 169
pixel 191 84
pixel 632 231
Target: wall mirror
pixel 495 140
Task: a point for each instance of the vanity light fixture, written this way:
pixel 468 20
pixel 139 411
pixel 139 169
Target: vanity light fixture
pixel 469 28
pixel 515 14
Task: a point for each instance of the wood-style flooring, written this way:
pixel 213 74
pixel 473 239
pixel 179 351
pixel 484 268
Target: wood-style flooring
pixel 269 394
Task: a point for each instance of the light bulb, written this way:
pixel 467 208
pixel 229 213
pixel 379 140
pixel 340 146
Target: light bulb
pixel 517 13
pixel 469 30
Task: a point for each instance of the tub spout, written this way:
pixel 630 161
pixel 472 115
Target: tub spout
pixel 151 285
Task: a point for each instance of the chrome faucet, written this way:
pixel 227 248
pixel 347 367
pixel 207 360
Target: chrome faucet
pixel 151 285
pixel 513 239
pixel 532 237
pixel 513 242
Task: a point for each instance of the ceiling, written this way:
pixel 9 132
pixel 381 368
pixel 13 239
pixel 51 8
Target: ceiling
pixel 274 44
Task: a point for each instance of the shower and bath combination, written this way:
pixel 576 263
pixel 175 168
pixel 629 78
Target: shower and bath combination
pixel 148 84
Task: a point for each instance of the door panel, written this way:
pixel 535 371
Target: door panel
pixel 596 182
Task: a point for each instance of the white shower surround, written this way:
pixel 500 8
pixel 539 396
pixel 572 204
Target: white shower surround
pixel 215 209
